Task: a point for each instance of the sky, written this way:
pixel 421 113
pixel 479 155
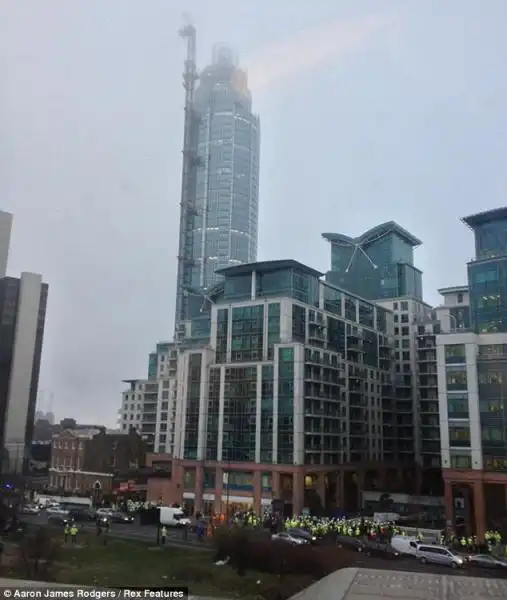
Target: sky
pixel 370 111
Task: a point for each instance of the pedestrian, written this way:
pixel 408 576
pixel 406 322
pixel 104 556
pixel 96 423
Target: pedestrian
pixel 66 532
pixel 73 533
pixel 106 531
pixel 163 535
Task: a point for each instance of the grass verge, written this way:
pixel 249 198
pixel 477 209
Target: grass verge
pixel 124 563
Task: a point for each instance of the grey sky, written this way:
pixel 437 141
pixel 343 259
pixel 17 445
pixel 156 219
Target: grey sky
pixel 370 111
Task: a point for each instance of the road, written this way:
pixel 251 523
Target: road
pixel 133 531
pixel 147 533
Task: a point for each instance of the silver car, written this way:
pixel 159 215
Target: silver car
pixel 439 555
pixel 288 539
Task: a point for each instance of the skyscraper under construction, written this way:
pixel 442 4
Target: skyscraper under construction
pixel 220 187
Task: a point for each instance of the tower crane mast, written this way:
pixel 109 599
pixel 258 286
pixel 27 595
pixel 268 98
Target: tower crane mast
pixel 190 164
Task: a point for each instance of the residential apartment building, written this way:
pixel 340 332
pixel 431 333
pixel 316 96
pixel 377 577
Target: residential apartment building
pixel 293 394
pixel 472 384
pixel 87 460
pixel 149 405
pixel 379 266
pixel 22 316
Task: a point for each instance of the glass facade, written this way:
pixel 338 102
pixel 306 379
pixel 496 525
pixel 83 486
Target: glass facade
pixel 193 404
pixel 247 333
pixel 240 400
pixel 227 187
pixel 487 274
pixel 488 295
pixel 266 450
pixel 285 406
pixel 492 381
pixel 376 265
pixel 222 334
pixel 340 331
pixel 273 327
pixel 213 414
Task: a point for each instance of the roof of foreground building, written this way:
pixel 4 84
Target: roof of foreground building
pixel 371 584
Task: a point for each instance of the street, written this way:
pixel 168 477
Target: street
pixel 132 531
pixel 175 537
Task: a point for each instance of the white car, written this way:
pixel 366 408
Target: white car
pixel 104 512
pixel 30 510
pixel 57 511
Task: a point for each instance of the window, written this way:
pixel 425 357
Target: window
pixel 456 380
pixel 457 407
pixel 459 436
pixel 404 318
pixel 460 298
pixel 455 353
pixel 404 305
pixel 461 461
pixel 395 306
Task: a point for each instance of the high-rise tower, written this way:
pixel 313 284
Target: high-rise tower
pixel 220 195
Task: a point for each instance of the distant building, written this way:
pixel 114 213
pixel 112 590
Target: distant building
pixel 22 316
pixel 149 405
pixel 87 460
pixel 223 229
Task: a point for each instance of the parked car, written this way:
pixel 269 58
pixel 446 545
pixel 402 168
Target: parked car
pixel 119 517
pixel 288 539
pixel 29 509
pixel 301 533
pixel 104 512
pixel 486 561
pixel 59 520
pixel 439 555
pixel 378 550
pixel 57 511
pixel 81 515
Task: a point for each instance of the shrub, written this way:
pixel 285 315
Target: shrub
pixel 38 553
pixel 249 549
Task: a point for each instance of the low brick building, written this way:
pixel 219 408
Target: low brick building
pixel 85 461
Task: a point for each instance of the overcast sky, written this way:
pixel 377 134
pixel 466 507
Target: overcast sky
pixel 370 111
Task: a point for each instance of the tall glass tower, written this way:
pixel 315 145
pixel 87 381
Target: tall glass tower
pixel 227 188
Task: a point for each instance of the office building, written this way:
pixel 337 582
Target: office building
pixel 472 383
pixel 22 316
pixel 149 405
pixel 291 396
pixel 220 183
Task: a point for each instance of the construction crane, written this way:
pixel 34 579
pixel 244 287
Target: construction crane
pixel 190 164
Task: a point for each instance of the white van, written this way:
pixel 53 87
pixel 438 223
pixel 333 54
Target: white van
pixel 405 544
pixel 173 517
